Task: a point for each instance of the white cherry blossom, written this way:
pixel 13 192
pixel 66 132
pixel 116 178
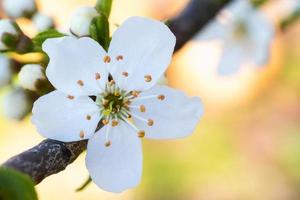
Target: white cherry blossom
pixel 246 35
pixel 125 99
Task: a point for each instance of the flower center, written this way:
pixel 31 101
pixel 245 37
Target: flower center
pixel 114 102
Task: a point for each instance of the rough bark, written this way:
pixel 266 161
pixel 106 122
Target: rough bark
pixel 50 156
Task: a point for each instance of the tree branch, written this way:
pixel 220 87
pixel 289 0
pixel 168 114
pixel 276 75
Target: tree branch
pixel 50 156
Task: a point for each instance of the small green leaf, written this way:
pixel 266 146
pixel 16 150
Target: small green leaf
pixel 40 38
pixel 84 185
pixel 104 7
pixel 99 30
pixel 16 186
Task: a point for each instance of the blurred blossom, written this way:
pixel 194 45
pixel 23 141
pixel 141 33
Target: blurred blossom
pixel 81 20
pixel 16 104
pixel 42 22
pixel 5 70
pixel 31 75
pixel 19 8
pixel 245 33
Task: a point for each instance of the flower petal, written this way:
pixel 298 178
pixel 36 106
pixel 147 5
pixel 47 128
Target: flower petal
pixel 232 58
pixel 174 117
pixel 146 48
pixel 262 32
pixel 74 64
pixel 65 119
pixel 119 166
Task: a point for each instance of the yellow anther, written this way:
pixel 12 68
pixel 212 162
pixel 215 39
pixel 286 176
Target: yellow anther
pixel 105 121
pixel 81 134
pixel 125 74
pixel 88 117
pixel 70 97
pixel 106 59
pixel 97 76
pixel 150 122
pixel 107 144
pixel 117 93
pixel 141 134
pixel 80 82
pixel 120 57
pixel 161 97
pixel 142 108
pixel 114 123
pixel 148 78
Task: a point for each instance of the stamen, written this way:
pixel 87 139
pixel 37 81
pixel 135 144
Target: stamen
pixel 81 134
pixel 148 78
pixel 70 97
pixel 146 97
pixel 105 121
pixel 142 108
pixel 135 93
pixel 104 101
pixel 106 59
pixel 125 74
pixel 120 57
pixel 140 118
pixel 107 144
pixel 141 134
pixel 114 123
pixel 88 117
pixel 80 83
pixel 97 76
pixel 161 97
pixel 150 122
pixel 111 83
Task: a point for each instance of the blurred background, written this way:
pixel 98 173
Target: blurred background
pixel 247 145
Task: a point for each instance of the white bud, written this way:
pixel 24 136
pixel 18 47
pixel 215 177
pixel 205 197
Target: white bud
pixel 81 20
pixel 5 71
pixel 16 104
pixel 42 22
pixel 19 8
pixel 29 76
pixel 7 26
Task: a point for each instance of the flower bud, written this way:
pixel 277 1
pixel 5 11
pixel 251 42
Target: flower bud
pixel 5 71
pixel 81 20
pixel 19 8
pixel 16 104
pixel 9 34
pixel 31 76
pixel 42 22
